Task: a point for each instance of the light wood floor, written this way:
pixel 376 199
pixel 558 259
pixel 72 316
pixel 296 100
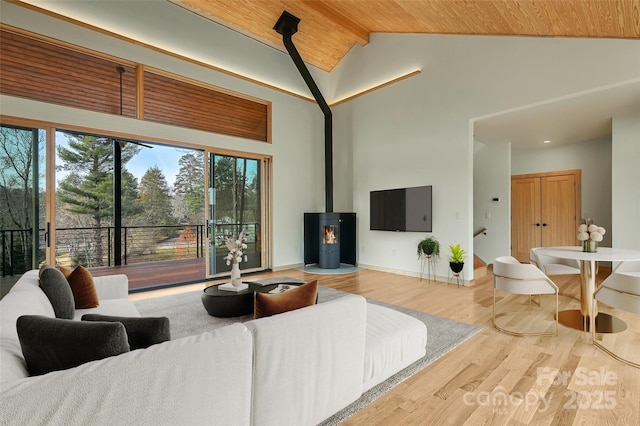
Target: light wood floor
pixel 494 378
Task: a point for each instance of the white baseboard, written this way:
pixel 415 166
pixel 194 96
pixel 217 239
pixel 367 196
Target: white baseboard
pixel 438 278
pixel 284 267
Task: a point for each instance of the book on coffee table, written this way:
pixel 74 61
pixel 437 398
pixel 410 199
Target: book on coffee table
pixel 281 288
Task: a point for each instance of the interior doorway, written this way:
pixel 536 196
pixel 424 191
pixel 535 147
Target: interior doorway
pixel 545 211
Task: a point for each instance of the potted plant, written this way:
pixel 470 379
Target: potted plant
pixel 456 258
pixel 428 252
pixel 429 247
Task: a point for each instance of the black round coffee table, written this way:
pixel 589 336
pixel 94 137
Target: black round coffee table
pixel 221 303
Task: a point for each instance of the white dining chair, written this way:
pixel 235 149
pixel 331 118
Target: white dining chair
pixel 552 265
pixel 621 290
pixel 628 266
pixel 509 275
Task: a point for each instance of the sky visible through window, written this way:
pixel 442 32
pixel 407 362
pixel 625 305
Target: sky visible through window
pixel 164 157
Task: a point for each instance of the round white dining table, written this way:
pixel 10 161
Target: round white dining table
pixel 580 318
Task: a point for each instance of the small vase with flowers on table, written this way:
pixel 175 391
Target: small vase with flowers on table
pixel 235 256
pixel 590 234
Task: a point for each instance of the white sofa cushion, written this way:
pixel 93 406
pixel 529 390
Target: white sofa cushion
pixel 24 302
pixel 112 286
pixel 12 363
pixel 28 281
pixel 308 363
pixel 394 341
pixel 197 380
pixel 24 298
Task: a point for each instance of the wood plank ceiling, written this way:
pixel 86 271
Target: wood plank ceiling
pixel 329 28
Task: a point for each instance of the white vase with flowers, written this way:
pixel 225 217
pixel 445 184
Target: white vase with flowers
pixel 236 255
pixel 590 234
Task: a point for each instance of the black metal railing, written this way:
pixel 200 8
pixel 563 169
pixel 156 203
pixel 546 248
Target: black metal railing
pixel 92 247
pixel 16 250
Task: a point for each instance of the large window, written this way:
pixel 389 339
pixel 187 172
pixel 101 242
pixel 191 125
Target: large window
pixel 117 205
pixel 235 206
pixel 125 202
pixel 84 199
pixel 22 201
pixel 114 202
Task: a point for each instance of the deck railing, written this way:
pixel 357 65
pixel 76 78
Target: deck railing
pixel 92 247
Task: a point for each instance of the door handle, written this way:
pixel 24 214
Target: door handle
pixel 544 224
pixel 537 224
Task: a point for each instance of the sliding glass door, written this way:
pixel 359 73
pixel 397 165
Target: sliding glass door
pixel 84 198
pixel 117 205
pixel 22 201
pixel 124 203
pixel 235 205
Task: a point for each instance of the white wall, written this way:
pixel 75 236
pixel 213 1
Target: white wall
pixel 418 131
pixel 592 157
pixel 492 179
pixel 342 159
pixel 395 150
pixel 626 180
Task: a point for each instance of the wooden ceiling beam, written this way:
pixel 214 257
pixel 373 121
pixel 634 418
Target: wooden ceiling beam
pixel 360 33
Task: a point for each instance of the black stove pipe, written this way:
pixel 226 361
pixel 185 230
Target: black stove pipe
pixel 287 25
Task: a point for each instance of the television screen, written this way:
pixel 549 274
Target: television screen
pixel 407 209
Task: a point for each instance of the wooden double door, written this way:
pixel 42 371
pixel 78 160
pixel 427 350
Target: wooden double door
pixel 545 211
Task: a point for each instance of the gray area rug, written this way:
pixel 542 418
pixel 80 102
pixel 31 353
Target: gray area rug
pixel 188 317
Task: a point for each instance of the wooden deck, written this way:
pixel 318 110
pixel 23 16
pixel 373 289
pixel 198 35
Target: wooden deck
pixel 156 274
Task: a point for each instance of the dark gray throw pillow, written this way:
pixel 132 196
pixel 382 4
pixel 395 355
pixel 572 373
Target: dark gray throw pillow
pixel 58 291
pixel 142 331
pixel 50 344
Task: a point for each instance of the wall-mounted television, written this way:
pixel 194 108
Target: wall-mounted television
pixel 404 210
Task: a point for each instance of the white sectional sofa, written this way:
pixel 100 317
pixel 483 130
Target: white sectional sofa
pixel 296 368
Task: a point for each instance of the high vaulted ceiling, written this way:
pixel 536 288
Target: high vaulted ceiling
pixel 329 28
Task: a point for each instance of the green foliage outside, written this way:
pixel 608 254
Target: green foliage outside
pixel 237 191
pixel 87 189
pixel 21 184
pixel 84 196
pixel 189 184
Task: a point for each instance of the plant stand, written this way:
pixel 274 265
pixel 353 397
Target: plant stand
pixel 430 263
pixel 457 276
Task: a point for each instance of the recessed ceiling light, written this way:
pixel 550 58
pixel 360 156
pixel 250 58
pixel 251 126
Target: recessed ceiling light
pixel 547 141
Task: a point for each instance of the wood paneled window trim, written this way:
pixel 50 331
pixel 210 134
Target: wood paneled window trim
pixel 47 70
pixel 183 103
pixel 43 71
